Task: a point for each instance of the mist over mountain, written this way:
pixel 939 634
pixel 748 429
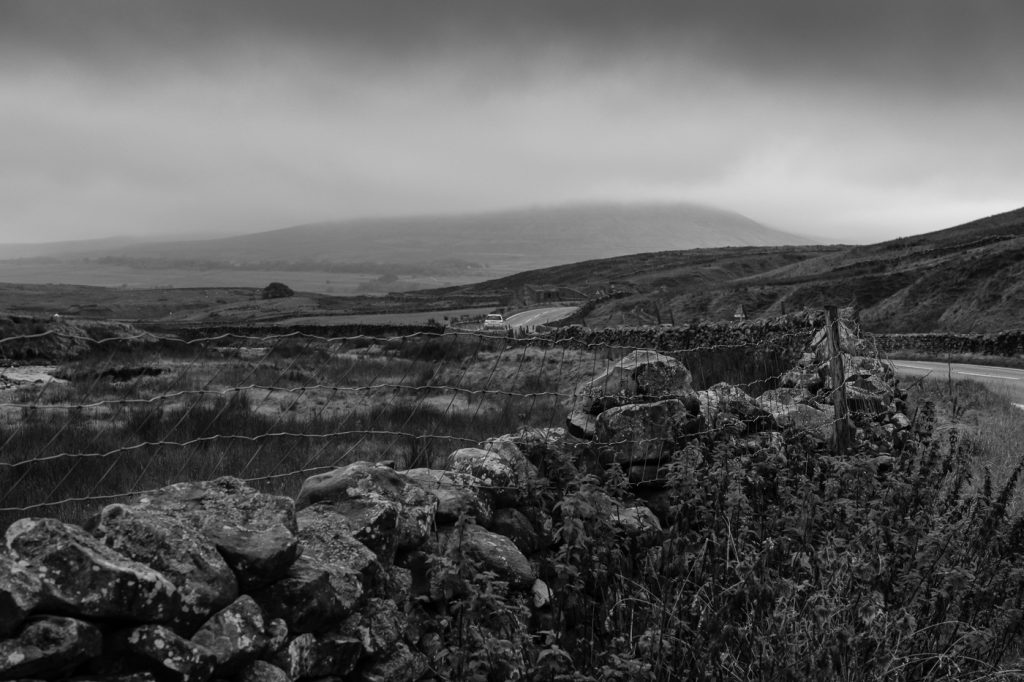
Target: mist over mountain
pixel 502 242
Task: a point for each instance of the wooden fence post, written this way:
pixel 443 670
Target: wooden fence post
pixel 844 432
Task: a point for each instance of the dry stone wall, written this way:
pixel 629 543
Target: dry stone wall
pixel 357 576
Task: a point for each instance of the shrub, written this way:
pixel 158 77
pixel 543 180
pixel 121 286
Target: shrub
pixel 277 290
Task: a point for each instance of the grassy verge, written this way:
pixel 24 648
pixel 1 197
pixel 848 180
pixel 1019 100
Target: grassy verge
pixel 1016 362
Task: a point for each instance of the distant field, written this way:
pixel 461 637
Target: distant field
pixel 93 274
pixel 387 318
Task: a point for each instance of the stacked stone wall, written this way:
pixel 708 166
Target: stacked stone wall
pixel 357 576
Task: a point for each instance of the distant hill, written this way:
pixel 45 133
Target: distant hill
pixel 968 278
pixel 501 242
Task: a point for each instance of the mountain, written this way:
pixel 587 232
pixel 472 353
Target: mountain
pixel 503 241
pixel 968 278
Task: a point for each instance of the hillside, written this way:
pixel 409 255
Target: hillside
pixel 425 251
pixel 964 278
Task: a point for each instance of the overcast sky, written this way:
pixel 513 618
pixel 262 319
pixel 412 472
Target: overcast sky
pixel 850 120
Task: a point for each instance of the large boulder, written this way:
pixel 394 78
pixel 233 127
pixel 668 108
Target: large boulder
pixel 80 576
pixel 501 468
pixel 327 538
pixel 236 635
pixel 365 489
pixel 645 431
pixel 456 493
pixel 49 647
pixel 644 373
pixel 254 532
pixel 493 552
pixel 184 555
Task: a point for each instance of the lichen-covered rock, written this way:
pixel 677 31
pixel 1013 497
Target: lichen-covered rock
pixel 645 373
pixel 456 494
pixel 327 538
pixel 174 548
pixel 818 421
pixel 48 647
pixel 308 656
pixel 305 598
pixel 81 576
pixel 20 592
pixel 493 552
pixel 645 431
pixel 235 635
pixel 169 656
pixel 502 469
pixel 261 671
pixel 362 487
pixel 400 665
pixel 254 532
pixel 723 399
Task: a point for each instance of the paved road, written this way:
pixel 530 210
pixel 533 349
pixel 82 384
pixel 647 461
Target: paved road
pixel 531 318
pixel 999 378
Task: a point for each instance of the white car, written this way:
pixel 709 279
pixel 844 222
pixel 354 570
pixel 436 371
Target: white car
pixel 495 322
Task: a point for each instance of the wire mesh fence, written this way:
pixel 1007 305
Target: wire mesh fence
pixel 134 413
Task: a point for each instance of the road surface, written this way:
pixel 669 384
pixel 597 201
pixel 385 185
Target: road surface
pixel 531 318
pixel 1002 379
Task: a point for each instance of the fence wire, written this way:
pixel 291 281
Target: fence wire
pixel 134 413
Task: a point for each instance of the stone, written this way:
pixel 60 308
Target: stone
pixel 503 471
pixel 254 532
pixel 235 635
pixel 277 636
pixel 492 552
pixel 261 671
pixel 309 656
pixel 48 647
pixel 640 373
pixel 354 569
pixel 20 593
pixel 516 526
pixel 169 656
pixel 540 593
pixel 378 626
pixel 900 421
pixel 776 398
pixel 335 654
pixel 366 487
pixel 177 550
pixel 581 424
pixel 305 598
pixel 80 576
pixel 456 494
pixel 725 399
pixel 819 422
pixel 645 431
pixel 870 394
pixel 400 665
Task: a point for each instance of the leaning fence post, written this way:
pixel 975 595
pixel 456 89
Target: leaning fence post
pixel 844 435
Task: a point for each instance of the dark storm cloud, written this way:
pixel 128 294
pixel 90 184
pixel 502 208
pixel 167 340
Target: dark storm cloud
pixel 851 116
